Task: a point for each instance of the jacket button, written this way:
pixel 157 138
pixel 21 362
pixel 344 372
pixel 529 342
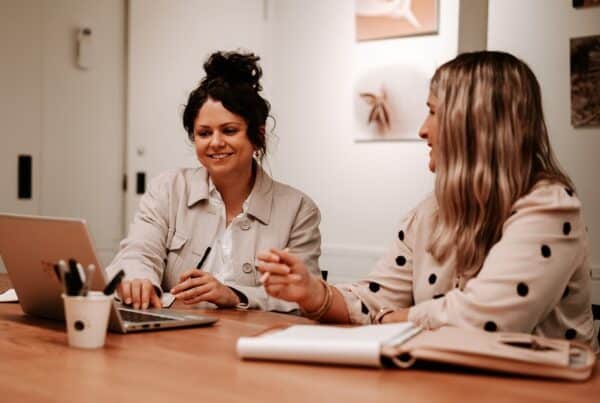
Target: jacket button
pixel 245 225
pixel 247 268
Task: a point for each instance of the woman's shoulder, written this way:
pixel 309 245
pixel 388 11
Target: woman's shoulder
pixel 287 194
pixel 549 195
pixel 178 176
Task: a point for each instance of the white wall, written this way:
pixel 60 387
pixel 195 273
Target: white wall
pixel 363 189
pixel 538 31
pixel 72 121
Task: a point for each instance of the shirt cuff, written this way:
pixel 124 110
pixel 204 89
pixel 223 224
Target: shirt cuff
pixel 354 305
pixel 428 314
pixel 243 299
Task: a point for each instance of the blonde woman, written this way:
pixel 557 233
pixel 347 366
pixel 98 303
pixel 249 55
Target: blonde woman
pixel 501 245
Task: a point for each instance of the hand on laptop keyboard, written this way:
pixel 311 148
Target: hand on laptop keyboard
pixel 139 293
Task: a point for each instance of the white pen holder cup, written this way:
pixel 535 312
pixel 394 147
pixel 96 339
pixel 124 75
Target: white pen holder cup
pixel 87 319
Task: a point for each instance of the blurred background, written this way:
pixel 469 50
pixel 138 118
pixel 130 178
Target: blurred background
pixel 92 91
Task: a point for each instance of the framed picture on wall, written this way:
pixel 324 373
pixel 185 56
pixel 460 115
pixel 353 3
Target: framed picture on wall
pixel 380 19
pixel 389 102
pixel 585 81
pixel 585 3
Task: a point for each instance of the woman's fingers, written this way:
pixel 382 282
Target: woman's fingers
pixel 274 268
pixel 155 300
pixel 192 281
pixel 136 293
pixel 289 279
pixel 209 296
pixel 275 289
pixel 194 292
pixel 286 257
pixel 147 290
pixel 191 273
pixel 267 256
pixel 125 292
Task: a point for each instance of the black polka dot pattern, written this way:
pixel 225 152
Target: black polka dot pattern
pixel 570 334
pixel 567 228
pixel 436 296
pixel 374 287
pixel 569 191
pixel 490 326
pixel 566 292
pixel 522 289
pixel 401 235
pixel 400 260
pixel 432 279
pixel 79 325
pixel 364 309
pixel 546 252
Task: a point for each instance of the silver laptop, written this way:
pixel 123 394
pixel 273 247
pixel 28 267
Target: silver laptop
pixel 30 246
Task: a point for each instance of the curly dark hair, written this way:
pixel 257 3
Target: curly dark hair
pixel 233 79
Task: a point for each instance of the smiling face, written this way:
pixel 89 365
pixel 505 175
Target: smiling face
pixel 221 141
pixel 429 129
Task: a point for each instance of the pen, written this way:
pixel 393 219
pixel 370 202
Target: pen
pixel 89 274
pixel 62 270
pixel 114 283
pixel 201 262
pixel 73 279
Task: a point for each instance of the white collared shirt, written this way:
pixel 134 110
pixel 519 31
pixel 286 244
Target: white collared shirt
pixel 219 262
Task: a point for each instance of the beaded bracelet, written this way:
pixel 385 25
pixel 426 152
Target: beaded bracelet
pixel 327 302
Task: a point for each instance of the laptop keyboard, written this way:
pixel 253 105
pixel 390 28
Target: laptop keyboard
pixel 142 317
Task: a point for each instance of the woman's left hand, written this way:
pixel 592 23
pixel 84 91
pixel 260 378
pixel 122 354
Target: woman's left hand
pixel 399 315
pixel 197 286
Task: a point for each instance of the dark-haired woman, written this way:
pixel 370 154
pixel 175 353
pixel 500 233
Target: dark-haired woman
pixel 197 231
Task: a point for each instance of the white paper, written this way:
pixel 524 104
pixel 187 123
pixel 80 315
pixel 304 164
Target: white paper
pixel 325 344
pixel 9 295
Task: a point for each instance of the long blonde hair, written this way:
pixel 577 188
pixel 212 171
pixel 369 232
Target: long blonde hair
pixel 492 148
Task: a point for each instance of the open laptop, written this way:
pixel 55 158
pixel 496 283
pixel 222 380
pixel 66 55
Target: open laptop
pixel 30 246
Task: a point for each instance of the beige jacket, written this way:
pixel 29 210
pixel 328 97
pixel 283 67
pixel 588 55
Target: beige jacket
pixel 535 279
pixel 175 224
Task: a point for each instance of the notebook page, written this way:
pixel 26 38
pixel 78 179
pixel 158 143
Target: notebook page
pixel 324 344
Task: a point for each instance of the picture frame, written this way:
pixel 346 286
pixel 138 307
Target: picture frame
pixel 384 19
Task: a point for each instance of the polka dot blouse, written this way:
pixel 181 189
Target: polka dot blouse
pixel 536 279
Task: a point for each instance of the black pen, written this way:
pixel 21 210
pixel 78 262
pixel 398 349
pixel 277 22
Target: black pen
pixel 201 262
pixel 114 283
pixel 74 282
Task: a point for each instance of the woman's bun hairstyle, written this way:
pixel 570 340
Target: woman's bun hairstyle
pixel 234 69
pixel 233 79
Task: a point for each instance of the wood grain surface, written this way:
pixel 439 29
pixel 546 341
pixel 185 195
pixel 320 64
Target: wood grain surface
pixel 200 365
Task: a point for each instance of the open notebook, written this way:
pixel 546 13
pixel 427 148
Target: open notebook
pixel 402 344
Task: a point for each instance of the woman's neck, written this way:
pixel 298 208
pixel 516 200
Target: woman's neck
pixel 234 190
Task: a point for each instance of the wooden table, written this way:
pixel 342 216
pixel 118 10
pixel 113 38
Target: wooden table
pixel 200 365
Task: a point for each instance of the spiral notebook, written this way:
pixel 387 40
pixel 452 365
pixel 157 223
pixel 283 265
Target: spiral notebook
pixel 403 344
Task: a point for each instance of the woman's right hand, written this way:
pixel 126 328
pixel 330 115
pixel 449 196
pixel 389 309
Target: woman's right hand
pixel 139 293
pixel 285 276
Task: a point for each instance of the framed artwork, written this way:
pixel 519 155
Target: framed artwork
pixel 585 81
pixel 379 19
pixel 389 103
pixel 585 3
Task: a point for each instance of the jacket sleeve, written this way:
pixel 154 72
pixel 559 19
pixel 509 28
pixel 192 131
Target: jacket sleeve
pixel 525 273
pixel 390 282
pixel 305 242
pixel 142 254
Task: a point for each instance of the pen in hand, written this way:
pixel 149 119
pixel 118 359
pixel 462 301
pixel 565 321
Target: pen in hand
pixel 203 259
